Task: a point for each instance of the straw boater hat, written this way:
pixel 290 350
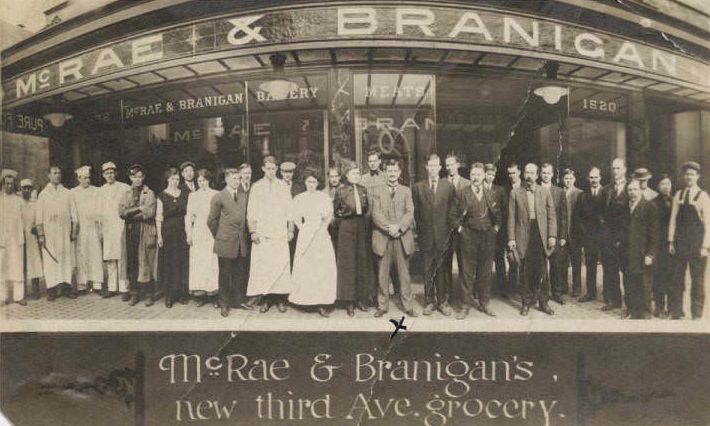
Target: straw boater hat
pixel 642 174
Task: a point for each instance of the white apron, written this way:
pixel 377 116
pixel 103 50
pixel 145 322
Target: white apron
pixel 55 214
pixel 204 264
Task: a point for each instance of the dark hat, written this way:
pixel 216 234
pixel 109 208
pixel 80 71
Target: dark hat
pixel 641 174
pixel 690 165
pixel 186 164
pixel 135 168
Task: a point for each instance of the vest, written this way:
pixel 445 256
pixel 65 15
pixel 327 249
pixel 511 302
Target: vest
pixel 478 217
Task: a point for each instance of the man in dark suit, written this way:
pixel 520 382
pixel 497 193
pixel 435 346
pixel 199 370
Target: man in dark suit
pixel 187 173
pixel 513 182
pixel 392 239
pixel 558 270
pixel 615 218
pixel 572 251
pixel 476 214
pixel 532 233
pixel 501 199
pixel 432 199
pixel 453 167
pixel 639 246
pixel 228 224
pixel 591 222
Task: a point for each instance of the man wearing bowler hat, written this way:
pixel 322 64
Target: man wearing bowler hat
pixel 642 175
pixel 689 241
pixel 187 173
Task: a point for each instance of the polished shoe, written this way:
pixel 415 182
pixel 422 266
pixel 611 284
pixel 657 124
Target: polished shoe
pixel 323 312
pixel 462 314
pixel 607 308
pixel 350 310
pixel 379 313
pixel 362 307
pixel 558 299
pixel 168 303
pixel 282 307
pixel 126 297
pixel 224 311
pixel 676 317
pixel 216 304
pixel 22 302
pixel 246 306
pixel 150 302
pixel 108 295
pixel 51 296
pixel 575 294
pixel 134 301
pixel 201 302
pixel 71 295
pixel 587 298
pixel 625 314
pixel 428 309
pixel 264 308
pixel 412 313
pixel 524 310
pixel 488 311
pixel 544 307
pixel 446 310
pixel 183 300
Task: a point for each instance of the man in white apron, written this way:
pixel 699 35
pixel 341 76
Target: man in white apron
pixel 33 256
pixel 89 211
pixel 271 230
pixel 12 241
pixel 56 225
pixel 112 227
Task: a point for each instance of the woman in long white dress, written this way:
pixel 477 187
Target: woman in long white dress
pixel 204 269
pixel 314 277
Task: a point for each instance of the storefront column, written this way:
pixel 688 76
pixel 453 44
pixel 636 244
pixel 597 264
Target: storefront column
pixel 340 116
pixel 690 135
pixel 637 133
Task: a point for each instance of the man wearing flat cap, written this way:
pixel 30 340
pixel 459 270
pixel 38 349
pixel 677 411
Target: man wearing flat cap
pixel 187 174
pixel 689 241
pixel 642 175
pixel 89 256
pixel 57 228
pixel 112 229
pixel 12 241
pixel 33 258
pixel 137 209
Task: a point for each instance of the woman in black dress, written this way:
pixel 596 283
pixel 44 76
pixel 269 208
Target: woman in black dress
pixel 173 251
pixel 663 273
pixel 354 251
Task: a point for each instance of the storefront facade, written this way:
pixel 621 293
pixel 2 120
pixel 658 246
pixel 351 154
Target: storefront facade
pixel 316 83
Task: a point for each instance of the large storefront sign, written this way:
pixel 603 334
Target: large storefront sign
pixel 467 27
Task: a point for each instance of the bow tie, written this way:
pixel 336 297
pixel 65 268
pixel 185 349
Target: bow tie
pixel 373 173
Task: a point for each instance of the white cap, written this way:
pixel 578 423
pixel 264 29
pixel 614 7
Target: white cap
pixel 83 171
pixel 107 166
pixel 26 182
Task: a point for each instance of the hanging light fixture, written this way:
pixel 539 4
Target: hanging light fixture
pixel 551 93
pixel 278 88
pixel 57 114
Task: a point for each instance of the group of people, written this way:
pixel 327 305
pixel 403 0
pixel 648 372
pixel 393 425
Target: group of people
pixel 277 242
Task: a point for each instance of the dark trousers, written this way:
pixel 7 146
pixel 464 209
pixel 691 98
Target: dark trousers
pixel 558 271
pixel 447 267
pixel 501 276
pixel 592 257
pixel 477 250
pixel 394 255
pixel 637 293
pixel 437 288
pixel 662 278
pixel 535 286
pixel 697 285
pixel 233 281
pixel 611 267
pixel 571 254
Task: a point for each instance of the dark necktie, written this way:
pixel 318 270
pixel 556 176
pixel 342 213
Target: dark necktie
pixel 686 200
pixel 234 195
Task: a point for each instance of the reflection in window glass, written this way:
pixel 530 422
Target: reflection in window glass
pixel 395 114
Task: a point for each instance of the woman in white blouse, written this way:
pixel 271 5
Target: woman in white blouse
pixel 204 269
pixel 314 276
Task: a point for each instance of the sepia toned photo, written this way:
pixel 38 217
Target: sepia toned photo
pixel 343 173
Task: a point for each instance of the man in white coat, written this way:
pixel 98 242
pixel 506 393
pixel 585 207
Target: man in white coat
pixel 12 241
pixel 88 211
pixel 33 258
pixel 112 228
pixel 271 229
pixel 56 224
